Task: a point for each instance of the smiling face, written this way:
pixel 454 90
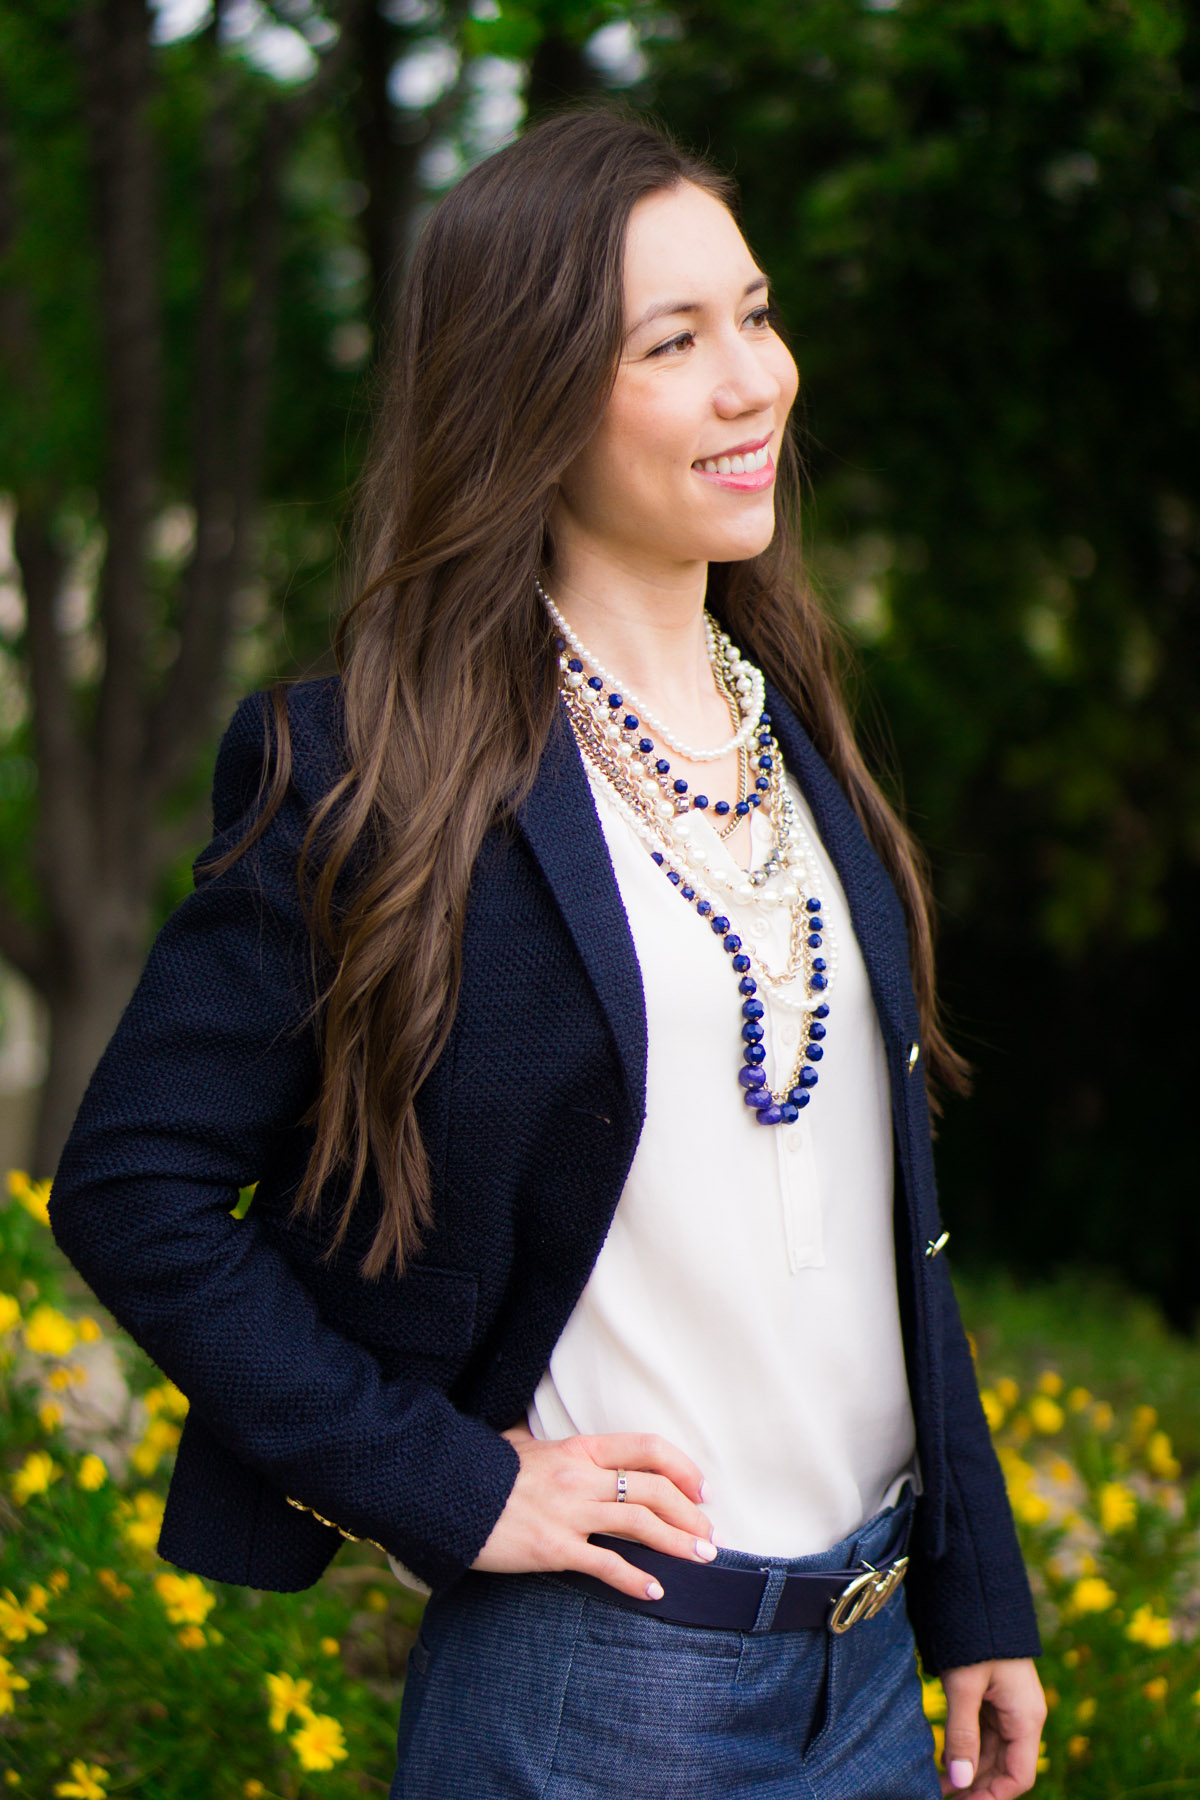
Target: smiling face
pixel 681 469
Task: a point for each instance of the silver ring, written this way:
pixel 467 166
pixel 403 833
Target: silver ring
pixel 621 1484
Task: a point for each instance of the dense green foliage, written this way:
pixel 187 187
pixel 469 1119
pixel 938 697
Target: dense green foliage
pixel 982 220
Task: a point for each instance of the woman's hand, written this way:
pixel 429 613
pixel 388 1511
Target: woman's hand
pixel 567 1488
pixel 994 1717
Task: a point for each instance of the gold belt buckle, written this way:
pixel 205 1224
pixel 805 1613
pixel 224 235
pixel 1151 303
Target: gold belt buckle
pixel 866 1595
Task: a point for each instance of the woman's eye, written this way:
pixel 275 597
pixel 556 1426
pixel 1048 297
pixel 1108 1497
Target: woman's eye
pixel 763 317
pixel 674 345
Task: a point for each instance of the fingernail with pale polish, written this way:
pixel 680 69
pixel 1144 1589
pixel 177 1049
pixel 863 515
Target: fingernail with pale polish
pixel 705 1491
pixel 717 1542
pixel 960 1772
pixel 654 1590
pixel 705 1549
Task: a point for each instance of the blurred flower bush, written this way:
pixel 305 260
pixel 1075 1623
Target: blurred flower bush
pixel 120 1675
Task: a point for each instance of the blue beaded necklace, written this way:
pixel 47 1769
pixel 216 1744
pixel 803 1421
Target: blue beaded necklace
pixel 615 746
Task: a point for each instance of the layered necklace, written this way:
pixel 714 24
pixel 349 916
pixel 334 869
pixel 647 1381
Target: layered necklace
pixel 611 727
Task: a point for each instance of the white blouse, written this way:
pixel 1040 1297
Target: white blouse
pixel 744 1302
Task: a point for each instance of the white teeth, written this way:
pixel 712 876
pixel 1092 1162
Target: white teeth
pixel 746 464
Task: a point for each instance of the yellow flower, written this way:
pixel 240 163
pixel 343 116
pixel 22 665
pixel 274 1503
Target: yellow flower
pixel 375 1600
pixel 1061 1472
pixel 34 1196
pixel 1149 1628
pixel 143 1528
pixel 1085 1712
pixel 1161 1458
pixel 1043 1761
pixel 1030 1508
pixel 1078 1400
pixel 60 1379
pixel 939 1741
pixel 1156 1690
pixel 17 1621
pixel 10 1683
pixel 1092 1594
pixel 49 1332
pixel 1050 1382
pixel 330 1647
pixel 191 1637
pixel 91 1473
pixel 120 1590
pixel 1117 1506
pixel 993 1410
pixel 50 1415
pixel 1102 1416
pixel 1045 1415
pixel 319 1743
pixel 10 1313
pixel 11 1778
pixel 1007 1391
pixel 160 1437
pixel 1145 1418
pixel 86 1782
pixel 58 1581
pixel 1077 1747
pixel 1071 1660
pixel 1052 1697
pixel 933 1699
pixel 287 1696
pixel 253 1789
pixel 87 1330
pixel 34 1476
pixel 186 1599
pixel 167 1399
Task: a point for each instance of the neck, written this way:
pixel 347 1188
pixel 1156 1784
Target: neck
pixel 647 631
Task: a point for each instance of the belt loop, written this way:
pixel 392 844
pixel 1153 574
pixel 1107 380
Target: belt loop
pixel 772 1589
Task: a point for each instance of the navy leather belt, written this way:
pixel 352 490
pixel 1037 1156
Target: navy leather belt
pixel 731 1599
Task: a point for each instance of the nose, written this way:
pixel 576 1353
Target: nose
pixel 746 382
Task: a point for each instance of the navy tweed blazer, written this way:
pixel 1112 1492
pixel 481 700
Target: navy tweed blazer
pixel 324 1404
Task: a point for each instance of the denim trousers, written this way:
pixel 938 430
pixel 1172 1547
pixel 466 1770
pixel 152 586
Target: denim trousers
pixel 521 1687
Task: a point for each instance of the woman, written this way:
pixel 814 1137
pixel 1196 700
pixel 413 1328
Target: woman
pixel 555 992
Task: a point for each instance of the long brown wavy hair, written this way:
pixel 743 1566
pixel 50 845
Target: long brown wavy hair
pixel 510 330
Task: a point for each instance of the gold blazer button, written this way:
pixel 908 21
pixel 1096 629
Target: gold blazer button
pixel 934 1245
pixel 914 1051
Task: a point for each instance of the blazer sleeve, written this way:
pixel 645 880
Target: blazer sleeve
pixel 213 1060
pixel 972 1603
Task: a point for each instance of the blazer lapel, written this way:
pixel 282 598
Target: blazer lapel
pixel 559 822
pixel 875 909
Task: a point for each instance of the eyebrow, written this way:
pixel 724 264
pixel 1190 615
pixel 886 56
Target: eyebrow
pixel 667 307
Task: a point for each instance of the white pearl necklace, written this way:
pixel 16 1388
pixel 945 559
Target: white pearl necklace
pixel 748 685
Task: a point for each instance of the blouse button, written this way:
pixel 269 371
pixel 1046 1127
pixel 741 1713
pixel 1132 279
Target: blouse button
pixel 793 1140
pixel 789 1033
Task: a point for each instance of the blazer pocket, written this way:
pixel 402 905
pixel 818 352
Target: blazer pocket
pixel 419 1324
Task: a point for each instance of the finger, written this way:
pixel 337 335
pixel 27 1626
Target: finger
pixel 648 1451
pixel 646 1527
pixel 964 1690
pixel 608 1567
pixel 660 1496
pixel 1011 1767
